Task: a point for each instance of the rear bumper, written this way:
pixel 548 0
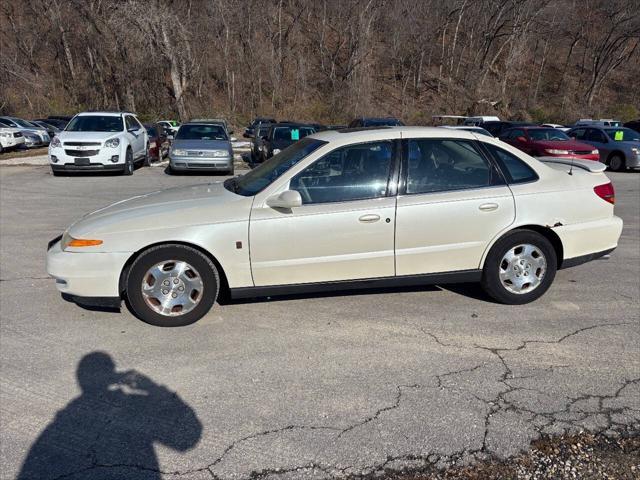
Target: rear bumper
pixel 87 274
pixel 586 241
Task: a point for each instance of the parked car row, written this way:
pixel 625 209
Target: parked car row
pixel 604 140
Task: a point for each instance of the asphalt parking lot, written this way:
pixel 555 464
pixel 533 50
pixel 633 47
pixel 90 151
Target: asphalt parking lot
pixel 314 386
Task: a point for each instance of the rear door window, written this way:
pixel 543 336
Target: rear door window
pixel 514 169
pixel 438 165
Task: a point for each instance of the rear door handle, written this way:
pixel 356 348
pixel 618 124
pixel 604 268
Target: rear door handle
pixel 488 207
pixel 369 218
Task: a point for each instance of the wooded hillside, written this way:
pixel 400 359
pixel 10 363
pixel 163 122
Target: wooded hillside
pixel 323 60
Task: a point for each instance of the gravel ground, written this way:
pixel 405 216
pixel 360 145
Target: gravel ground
pixel 585 457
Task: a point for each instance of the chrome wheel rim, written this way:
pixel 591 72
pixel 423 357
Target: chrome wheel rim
pixel 522 268
pixel 172 288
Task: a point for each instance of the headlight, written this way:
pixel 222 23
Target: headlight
pixel 553 151
pixel 178 152
pixel 55 143
pixel 112 143
pixel 276 151
pixel 635 150
pixel 219 153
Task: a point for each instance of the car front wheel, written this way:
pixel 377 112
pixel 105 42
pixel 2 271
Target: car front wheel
pixel 617 163
pixel 520 268
pixel 172 285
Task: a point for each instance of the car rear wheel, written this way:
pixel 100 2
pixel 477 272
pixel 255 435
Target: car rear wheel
pixel 617 163
pixel 520 268
pixel 172 285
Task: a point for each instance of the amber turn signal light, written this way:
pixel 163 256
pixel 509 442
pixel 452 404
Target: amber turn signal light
pixel 81 242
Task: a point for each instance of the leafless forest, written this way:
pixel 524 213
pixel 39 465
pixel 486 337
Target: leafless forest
pixel 324 60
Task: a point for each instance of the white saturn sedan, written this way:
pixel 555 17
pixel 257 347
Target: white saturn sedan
pixel 345 209
pixel 99 141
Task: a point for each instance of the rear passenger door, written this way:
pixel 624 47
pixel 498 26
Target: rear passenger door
pixel 452 203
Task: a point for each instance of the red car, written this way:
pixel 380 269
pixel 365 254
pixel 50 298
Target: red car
pixel 548 142
pixel 157 139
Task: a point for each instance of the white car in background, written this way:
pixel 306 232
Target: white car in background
pixel 34 135
pixel 339 210
pixel 10 138
pixel 100 141
pixel 170 126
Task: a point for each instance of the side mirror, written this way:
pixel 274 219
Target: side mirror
pixel 521 139
pixel 287 199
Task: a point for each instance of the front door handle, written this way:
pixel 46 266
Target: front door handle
pixel 488 207
pixel 369 218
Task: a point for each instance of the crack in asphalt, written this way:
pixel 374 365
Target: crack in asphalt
pixel 500 403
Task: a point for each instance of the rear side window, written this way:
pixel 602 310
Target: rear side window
pixel 514 169
pixel 438 165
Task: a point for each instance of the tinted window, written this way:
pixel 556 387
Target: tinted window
pixel 260 177
pixel 201 132
pixel 95 123
pixel 514 169
pixel 355 172
pixel 595 136
pixel 515 133
pixel 291 133
pixel 440 165
pixel 578 133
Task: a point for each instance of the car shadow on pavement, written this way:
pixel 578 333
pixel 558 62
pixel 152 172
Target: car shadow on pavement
pixel 109 431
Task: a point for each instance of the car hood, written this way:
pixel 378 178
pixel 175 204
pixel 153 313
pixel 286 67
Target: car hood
pixel 86 136
pixel 202 144
pixel 563 145
pixel 177 207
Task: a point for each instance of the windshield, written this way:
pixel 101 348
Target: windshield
pixel 24 123
pixel 291 133
pixel 264 131
pixel 548 134
pixel 623 134
pixel 262 176
pixel 151 131
pixel 95 123
pixel 201 132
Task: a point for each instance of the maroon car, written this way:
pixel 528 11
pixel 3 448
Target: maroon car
pixel 157 138
pixel 548 142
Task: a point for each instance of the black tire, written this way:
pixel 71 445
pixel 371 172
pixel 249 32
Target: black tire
pixel 128 163
pixel 56 174
pixel 162 253
pixel 491 282
pixel 617 163
pixel 146 161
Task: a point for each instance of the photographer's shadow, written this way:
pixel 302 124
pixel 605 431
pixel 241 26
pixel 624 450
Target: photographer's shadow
pixel 109 431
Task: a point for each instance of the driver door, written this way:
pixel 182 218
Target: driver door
pixel 344 229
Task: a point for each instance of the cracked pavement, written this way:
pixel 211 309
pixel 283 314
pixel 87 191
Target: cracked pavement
pixel 317 386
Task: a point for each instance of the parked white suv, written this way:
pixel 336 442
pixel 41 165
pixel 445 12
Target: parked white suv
pixel 10 138
pixel 100 141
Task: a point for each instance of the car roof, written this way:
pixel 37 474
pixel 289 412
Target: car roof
pixel 104 113
pixel 381 133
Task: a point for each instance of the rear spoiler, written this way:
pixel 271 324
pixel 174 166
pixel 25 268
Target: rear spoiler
pixel 592 166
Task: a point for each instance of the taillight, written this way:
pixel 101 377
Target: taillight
pixel 606 192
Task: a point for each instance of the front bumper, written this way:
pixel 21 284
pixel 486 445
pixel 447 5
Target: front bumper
pixel 98 159
pixel 221 164
pixel 12 142
pixel 86 274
